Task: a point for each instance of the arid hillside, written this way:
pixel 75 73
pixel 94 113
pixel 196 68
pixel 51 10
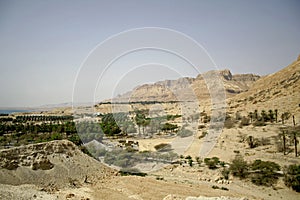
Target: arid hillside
pixel 280 91
pixel 49 167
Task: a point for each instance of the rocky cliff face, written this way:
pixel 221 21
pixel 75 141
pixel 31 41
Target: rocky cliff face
pixel 189 89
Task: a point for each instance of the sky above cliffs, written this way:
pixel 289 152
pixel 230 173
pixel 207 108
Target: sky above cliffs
pixel 44 43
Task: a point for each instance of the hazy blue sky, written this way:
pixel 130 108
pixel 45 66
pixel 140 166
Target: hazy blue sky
pixel 43 43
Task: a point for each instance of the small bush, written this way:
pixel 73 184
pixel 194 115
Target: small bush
pixel 225 173
pixel 252 142
pixel 224 188
pixel 212 163
pixel 162 147
pixel 264 172
pixel 131 171
pixel 204 133
pixel 201 126
pixel 215 187
pixel 239 167
pixel 198 160
pixel 292 177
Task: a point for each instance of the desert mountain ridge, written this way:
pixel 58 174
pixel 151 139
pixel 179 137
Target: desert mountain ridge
pixel 187 89
pixel 243 92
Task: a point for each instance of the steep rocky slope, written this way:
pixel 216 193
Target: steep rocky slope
pixel 280 90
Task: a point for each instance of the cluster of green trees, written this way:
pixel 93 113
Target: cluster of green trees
pixel 141 120
pixel 36 118
pixel 26 129
pixel 156 124
pixel 109 125
pixel 259 172
pixel 268 116
pixel 266 173
pixel 16 134
pixel 257 118
pixel 138 102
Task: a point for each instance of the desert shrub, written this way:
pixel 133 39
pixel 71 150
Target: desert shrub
pixel 225 173
pixel 188 157
pixel 169 127
pixel 131 171
pixel 252 142
pixel 206 119
pixel 221 188
pixel 264 172
pixel 239 167
pixel 292 177
pixel 224 188
pixel 184 133
pixel 236 151
pixel 215 187
pixel 204 133
pixel 222 163
pixel 162 147
pixel 198 160
pixel 201 126
pixel 212 163
pixel 56 136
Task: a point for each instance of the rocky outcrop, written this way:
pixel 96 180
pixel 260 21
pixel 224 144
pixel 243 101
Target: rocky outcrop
pixel 226 74
pixel 245 77
pixel 35 155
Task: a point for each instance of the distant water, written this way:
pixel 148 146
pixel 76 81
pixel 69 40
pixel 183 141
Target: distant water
pixel 13 111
